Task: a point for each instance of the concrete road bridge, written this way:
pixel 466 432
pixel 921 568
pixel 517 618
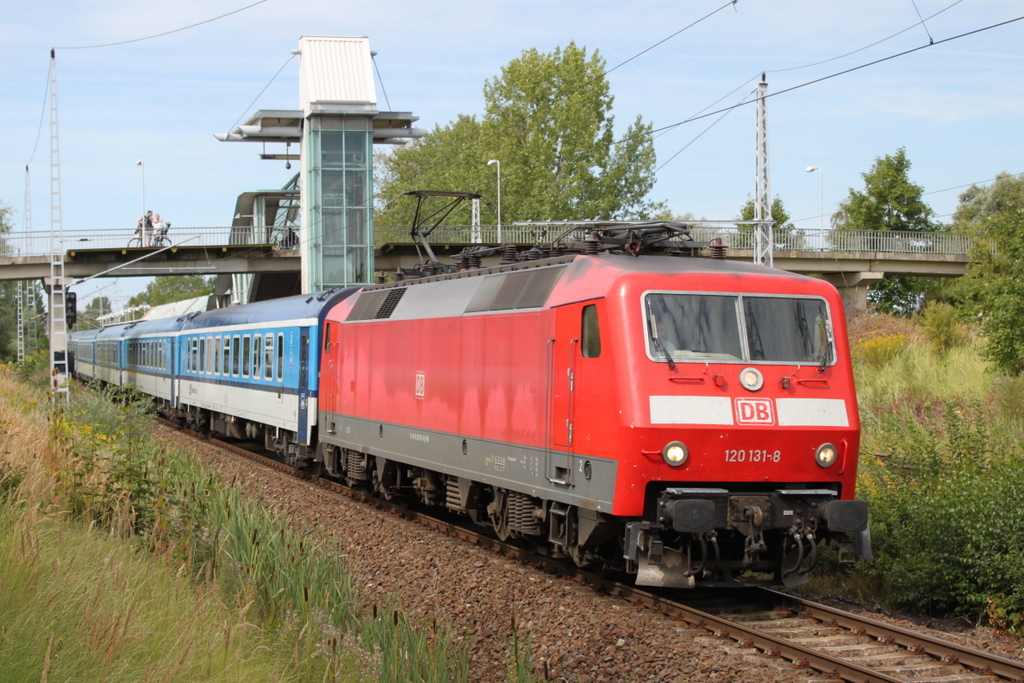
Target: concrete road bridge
pixel 851 260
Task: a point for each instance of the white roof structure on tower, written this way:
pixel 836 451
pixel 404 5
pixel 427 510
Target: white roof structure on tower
pixel 336 75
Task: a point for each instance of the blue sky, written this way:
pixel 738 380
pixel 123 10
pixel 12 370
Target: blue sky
pixel 955 106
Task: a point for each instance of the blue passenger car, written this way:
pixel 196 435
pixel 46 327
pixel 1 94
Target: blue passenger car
pixel 109 354
pixel 148 358
pixel 83 354
pixel 252 371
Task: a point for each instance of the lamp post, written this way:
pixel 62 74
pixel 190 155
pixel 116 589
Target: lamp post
pixel 821 195
pixel 495 162
pixel 141 164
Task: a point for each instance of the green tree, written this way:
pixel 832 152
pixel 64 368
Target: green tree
pixel 979 202
pixel 170 288
pixel 444 159
pixel 890 201
pixel 995 281
pixel 548 121
pixel 8 296
pixel 785 233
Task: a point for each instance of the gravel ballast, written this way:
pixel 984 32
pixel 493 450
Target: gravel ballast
pixel 580 635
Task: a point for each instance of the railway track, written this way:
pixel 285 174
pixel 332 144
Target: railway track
pixel 835 644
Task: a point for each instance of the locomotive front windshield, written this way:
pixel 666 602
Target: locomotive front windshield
pixel 723 327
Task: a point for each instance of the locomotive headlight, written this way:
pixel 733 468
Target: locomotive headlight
pixel 751 379
pixel 675 453
pixel 826 454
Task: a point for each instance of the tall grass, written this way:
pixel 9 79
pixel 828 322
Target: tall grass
pixel 159 536
pixel 79 604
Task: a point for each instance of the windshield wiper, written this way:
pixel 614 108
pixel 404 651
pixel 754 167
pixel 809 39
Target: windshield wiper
pixel 657 340
pixel 824 358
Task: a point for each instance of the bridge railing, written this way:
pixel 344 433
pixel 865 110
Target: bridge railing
pixel 880 241
pixel 38 243
pixel 735 238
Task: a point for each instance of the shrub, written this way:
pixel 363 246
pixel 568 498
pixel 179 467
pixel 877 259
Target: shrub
pixel 947 512
pixel 878 350
pixel 942 327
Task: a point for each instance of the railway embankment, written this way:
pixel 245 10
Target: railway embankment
pixel 942 466
pixel 127 559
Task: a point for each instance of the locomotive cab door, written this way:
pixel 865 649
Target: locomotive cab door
pixel 562 361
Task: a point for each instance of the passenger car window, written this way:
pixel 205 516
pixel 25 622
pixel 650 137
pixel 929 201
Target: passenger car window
pixel 591 333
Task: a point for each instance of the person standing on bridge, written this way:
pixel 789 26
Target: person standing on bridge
pixel 145 229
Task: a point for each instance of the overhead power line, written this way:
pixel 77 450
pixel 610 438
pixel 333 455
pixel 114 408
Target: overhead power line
pixel 165 33
pixel 272 78
pixel 840 73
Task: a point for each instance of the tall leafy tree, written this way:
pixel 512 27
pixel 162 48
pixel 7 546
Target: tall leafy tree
pixel 8 313
pixel 890 201
pixel 448 158
pixel 548 120
pixel 995 281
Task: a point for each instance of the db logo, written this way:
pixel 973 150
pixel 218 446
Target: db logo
pixel 421 385
pixel 754 411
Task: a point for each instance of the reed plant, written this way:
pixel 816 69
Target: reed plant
pixel 156 531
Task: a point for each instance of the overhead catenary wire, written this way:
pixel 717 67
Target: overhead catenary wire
pixel 255 99
pixel 805 66
pixel 164 33
pixel 373 58
pixel 839 73
pixel 725 110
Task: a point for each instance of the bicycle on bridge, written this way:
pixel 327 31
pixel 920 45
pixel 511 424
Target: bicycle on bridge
pixel 150 234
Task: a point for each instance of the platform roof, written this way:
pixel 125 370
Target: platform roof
pixel 278 125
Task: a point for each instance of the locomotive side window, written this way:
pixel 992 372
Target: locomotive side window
pixel 591 333
pixel 327 338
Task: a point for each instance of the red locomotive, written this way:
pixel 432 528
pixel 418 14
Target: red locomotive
pixel 690 420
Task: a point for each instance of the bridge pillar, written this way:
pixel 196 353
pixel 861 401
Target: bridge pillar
pixel 853 287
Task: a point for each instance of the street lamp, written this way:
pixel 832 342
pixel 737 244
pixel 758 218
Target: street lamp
pixel 495 162
pixel 821 194
pixel 142 165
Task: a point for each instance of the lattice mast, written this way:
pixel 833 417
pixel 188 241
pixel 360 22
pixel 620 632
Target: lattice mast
pixel 23 286
pixel 763 237
pixel 58 319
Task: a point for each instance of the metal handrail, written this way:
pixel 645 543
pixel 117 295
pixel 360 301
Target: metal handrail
pixel 736 238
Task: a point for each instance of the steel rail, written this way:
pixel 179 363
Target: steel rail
pixel 772 647
pixel 945 651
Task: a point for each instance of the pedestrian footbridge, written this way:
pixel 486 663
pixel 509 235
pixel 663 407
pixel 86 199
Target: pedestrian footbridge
pixel 851 260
